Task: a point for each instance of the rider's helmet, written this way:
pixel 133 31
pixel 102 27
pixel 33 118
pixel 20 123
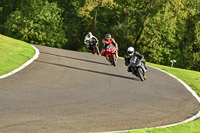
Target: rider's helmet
pixel 130 51
pixel 108 36
pixel 89 34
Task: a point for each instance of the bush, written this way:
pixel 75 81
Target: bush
pixel 39 24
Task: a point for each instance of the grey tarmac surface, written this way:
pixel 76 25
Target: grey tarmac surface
pixel 65 91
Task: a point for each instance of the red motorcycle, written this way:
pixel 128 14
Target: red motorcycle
pixel 111 54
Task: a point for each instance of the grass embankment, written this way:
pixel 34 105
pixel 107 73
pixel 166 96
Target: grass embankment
pixel 192 78
pixel 13 53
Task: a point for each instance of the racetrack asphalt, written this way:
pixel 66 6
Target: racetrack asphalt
pixel 67 91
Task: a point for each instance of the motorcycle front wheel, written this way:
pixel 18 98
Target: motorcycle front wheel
pixel 114 60
pixel 140 73
pixel 97 50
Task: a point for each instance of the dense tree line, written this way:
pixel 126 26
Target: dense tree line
pixel 162 30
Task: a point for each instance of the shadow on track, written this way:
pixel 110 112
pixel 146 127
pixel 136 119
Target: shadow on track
pixel 92 71
pixel 75 58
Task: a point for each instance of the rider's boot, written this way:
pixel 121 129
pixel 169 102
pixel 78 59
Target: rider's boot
pixel 129 69
pixel 117 55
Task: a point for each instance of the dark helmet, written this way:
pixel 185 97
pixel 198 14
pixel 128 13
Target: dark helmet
pixel 108 36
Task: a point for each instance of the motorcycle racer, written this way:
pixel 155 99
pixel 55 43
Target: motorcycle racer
pixel 131 52
pixel 108 40
pixel 88 40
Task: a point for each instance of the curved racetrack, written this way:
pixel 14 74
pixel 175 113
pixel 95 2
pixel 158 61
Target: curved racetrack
pixel 67 91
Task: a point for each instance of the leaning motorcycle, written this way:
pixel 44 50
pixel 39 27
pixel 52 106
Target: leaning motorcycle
pixel 111 54
pixel 94 46
pixel 138 68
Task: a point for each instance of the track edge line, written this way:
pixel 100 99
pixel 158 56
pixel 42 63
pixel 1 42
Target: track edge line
pixel 174 124
pixel 23 65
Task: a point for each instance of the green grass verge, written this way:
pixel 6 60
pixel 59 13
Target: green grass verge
pixel 192 78
pixel 13 53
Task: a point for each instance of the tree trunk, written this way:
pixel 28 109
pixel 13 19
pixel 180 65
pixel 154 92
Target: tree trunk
pixel 95 20
pixel 139 37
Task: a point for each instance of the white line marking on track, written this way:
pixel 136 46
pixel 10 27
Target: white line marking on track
pixel 188 120
pixel 24 65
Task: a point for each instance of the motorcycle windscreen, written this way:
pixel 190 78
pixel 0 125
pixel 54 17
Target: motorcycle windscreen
pixel 94 41
pixel 135 61
pixel 111 49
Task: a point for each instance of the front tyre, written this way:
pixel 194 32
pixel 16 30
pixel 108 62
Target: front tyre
pixel 114 60
pixel 93 50
pixel 140 73
pixel 97 50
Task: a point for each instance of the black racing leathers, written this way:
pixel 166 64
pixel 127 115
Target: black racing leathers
pixel 127 59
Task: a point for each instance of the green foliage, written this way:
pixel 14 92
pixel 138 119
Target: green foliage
pixel 40 23
pixel 170 34
pixel 91 5
pixel 159 38
pixel 161 30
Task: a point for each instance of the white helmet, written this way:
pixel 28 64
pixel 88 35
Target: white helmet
pixel 89 34
pixel 130 51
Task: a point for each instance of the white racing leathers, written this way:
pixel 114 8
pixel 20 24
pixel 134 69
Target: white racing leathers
pixel 88 40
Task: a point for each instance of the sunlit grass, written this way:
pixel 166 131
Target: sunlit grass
pixel 13 53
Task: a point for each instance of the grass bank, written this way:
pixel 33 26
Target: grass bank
pixel 192 78
pixel 13 53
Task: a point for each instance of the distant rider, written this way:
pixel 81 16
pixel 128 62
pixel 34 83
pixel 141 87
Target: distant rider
pixel 131 52
pixel 89 38
pixel 109 40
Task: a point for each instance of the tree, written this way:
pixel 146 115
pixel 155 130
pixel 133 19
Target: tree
pixel 90 11
pixel 187 33
pixel 37 22
pixel 159 37
pixel 160 29
pixel 172 34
